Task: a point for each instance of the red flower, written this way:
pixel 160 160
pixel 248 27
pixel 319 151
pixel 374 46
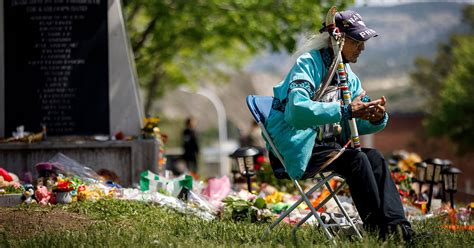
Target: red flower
pixel 81 188
pixel 403 193
pixel 64 186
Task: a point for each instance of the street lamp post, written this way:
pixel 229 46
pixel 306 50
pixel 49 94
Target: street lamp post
pixel 221 122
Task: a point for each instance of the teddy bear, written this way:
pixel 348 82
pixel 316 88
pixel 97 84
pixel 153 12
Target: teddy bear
pixel 43 196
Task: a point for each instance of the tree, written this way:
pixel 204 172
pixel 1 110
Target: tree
pixel 183 42
pixel 447 83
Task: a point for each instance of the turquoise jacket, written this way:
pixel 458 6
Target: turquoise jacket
pixel 294 118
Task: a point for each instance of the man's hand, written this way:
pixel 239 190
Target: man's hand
pixel 375 113
pixel 372 111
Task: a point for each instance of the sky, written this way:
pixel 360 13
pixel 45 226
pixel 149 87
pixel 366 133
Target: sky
pixel 392 2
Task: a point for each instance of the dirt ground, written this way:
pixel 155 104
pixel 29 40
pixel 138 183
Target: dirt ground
pixel 18 223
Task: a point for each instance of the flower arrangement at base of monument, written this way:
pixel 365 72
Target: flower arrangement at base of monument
pixel 63 190
pixel 10 189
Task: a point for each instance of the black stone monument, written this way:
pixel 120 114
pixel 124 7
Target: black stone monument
pixel 56 66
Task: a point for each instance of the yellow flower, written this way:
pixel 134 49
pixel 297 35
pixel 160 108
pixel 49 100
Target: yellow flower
pixel 274 198
pixel 152 120
pixel 408 164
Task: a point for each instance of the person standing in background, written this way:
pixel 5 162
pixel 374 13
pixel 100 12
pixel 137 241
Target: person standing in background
pixel 190 145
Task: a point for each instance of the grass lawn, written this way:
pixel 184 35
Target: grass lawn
pixel 117 223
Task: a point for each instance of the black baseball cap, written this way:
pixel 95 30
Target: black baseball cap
pixel 351 23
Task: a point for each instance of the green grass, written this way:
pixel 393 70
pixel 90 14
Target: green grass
pixel 131 224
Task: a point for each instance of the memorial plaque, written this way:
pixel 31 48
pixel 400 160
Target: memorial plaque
pixel 56 66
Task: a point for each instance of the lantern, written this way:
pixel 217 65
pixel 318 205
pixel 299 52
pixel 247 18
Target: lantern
pixel 433 170
pixel 420 176
pixel 234 169
pixel 446 164
pixel 244 159
pixel 420 171
pixel 450 178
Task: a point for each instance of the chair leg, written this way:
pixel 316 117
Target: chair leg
pixel 296 204
pixel 342 208
pixel 344 212
pixel 302 221
pixel 315 213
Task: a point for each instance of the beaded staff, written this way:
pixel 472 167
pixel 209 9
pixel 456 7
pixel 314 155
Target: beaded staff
pixel 337 42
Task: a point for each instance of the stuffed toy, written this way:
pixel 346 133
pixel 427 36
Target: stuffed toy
pixel 7 179
pixel 42 195
pixel 14 177
pixel 29 194
pixel 6 176
pixel 3 183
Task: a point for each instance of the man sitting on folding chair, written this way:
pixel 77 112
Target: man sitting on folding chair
pixel 308 124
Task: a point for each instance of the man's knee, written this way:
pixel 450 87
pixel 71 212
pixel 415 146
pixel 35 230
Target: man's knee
pixel 360 156
pixel 360 163
pixel 373 153
pixel 377 160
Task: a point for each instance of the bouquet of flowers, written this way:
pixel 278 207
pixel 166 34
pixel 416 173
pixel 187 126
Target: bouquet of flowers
pixel 90 193
pixel 403 181
pixel 246 207
pixel 63 185
pixel 13 188
pixel 151 128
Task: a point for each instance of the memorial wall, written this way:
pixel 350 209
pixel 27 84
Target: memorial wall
pixel 67 65
pixel 56 66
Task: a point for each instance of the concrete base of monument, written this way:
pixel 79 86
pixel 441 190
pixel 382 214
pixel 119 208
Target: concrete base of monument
pixel 126 158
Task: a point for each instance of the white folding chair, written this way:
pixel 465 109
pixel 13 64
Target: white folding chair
pixel 260 107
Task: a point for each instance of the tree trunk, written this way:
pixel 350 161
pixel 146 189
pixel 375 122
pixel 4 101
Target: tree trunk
pixel 152 88
pixel 133 12
pixel 145 35
pixel 125 2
